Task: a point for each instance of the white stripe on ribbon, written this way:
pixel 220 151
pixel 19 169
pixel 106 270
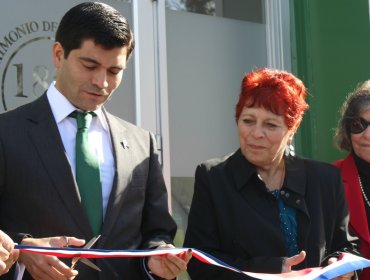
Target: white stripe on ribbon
pixel 347 263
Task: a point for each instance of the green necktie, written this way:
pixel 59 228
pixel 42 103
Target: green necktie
pixel 87 172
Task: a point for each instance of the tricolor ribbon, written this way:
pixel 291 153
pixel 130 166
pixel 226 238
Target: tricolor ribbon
pixel 347 263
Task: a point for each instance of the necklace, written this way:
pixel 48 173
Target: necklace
pixel 363 192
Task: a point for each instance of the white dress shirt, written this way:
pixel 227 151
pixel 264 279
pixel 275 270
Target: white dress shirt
pixel 99 138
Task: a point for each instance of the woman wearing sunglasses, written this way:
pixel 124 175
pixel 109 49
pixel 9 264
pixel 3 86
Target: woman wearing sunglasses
pixel 353 136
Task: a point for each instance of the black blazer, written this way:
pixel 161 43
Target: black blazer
pixel 236 220
pixel 39 195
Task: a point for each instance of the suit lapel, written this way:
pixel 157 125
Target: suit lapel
pixel 354 198
pixel 123 163
pixel 296 181
pixel 45 136
pixel 243 172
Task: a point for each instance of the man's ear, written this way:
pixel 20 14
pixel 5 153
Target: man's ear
pixel 58 54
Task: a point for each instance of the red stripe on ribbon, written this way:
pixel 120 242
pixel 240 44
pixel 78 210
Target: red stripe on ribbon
pixel 346 264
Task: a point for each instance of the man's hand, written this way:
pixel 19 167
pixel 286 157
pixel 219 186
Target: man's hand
pixel 8 256
pixel 48 267
pixel 292 261
pixel 169 266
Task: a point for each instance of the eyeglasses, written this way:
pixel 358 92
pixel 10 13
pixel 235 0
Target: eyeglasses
pixel 358 125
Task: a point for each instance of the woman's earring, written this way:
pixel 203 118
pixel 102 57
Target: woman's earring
pixel 289 150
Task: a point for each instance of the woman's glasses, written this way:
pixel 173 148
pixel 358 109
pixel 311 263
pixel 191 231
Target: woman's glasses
pixel 358 125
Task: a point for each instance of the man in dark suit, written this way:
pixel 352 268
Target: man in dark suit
pixel 40 199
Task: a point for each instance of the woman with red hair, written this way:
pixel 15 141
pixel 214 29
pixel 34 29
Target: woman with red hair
pixel 262 209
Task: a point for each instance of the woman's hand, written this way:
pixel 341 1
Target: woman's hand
pixel 346 276
pixel 8 255
pixel 292 261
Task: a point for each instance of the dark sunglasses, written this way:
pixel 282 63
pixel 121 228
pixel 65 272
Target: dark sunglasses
pixel 358 125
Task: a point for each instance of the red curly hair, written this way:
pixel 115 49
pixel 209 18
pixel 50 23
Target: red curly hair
pixel 277 91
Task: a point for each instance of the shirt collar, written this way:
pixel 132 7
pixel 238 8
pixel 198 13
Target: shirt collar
pixel 62 108
pixel 243 171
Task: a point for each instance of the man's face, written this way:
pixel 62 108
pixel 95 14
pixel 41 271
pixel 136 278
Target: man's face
pixel 90 74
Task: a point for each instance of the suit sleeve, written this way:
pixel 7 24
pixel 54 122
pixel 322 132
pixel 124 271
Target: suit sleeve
pixel 16 237
pixel 158 227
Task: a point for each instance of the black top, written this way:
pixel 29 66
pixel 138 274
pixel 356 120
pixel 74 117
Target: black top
pixel 234 219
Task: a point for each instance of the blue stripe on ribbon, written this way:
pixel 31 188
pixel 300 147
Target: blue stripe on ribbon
pixel 345 265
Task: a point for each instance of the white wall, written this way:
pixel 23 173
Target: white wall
pixel 207 58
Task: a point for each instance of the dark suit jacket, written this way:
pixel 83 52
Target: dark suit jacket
pixel 235 219
pixel 358 218
pixel 39 195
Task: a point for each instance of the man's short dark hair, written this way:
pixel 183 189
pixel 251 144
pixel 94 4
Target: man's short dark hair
pixel 97 21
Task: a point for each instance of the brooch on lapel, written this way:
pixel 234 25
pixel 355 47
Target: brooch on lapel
pixel 125 144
